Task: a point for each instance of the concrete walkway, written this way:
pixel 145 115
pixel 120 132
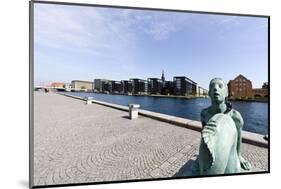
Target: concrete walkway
pixel 78 143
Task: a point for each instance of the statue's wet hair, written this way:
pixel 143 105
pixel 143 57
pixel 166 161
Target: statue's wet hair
pixel 228 104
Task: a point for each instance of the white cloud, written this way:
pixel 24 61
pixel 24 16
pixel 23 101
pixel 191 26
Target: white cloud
pixel 159 26
pixel 82 30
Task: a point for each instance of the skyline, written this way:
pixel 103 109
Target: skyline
pixel 84 43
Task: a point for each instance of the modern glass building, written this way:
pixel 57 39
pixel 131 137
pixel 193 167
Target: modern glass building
pixel 139 86
pixel 127 87
pixel 155 85
pixel 184 86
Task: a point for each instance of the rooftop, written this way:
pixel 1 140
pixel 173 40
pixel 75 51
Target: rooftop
pixel 82 81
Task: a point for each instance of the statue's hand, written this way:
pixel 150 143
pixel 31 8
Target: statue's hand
pixel 245 164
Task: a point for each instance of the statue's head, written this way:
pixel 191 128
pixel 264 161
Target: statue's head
pixel 218 90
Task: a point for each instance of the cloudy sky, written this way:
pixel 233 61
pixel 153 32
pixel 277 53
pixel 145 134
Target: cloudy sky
pixel 84 43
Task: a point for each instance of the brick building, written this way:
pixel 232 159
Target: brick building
pixel 240 87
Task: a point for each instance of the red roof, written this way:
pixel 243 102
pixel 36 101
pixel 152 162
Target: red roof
pixel 57 84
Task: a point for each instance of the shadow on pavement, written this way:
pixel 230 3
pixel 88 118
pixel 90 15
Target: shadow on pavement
pixel 126 117
pixel 190 168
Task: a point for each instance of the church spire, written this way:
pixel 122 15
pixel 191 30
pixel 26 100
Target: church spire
pixel 163 77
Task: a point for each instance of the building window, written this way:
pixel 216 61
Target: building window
pixel 178 83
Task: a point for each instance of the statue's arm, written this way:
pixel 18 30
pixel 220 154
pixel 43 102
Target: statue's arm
pixel 239 122
pixel 214 154
pixel 236 116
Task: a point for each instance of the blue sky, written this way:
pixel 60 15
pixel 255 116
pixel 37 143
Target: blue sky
pixel 84 43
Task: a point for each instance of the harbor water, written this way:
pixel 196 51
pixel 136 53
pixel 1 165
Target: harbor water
pixel 255 114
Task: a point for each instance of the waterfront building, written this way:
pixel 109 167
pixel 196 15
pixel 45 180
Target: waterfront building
pixel 168 88
pixel 184 86
pixel 127 86
pixel 201 91
pixel 139 86
pixel 143 87
pixel 205 92
pixel 240 88
pixel 56 85
pixel 78 85
pixel 155 85
pixel 100 84
pixel 261 92
pixel 106 86
pixel 116 87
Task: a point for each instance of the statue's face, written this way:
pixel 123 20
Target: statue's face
pixel 217 90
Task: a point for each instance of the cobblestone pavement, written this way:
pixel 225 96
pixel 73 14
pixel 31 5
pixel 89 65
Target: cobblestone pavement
pixel 77 143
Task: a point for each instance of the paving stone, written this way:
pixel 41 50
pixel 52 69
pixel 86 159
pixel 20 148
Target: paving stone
pixel 156 173
pixel 172 159
pixel 165 165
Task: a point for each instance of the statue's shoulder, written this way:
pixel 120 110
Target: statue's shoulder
pixel 236 116
pixel 205 115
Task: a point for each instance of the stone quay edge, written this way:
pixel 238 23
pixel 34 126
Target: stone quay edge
pixel 247 137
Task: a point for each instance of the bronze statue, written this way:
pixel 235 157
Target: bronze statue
pixel 220 148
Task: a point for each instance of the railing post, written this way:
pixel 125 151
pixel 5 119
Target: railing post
pixel 133 111
pixel 89 100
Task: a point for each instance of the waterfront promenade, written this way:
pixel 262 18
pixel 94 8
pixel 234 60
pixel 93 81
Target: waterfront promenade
pixel 78 143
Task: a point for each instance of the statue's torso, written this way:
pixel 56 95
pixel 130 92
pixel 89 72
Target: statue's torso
pixel 218 145
pixel 206 115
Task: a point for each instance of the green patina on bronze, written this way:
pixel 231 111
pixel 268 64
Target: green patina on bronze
pixel 219 151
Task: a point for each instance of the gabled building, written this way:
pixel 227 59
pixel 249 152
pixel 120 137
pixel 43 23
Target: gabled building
pixel 240 87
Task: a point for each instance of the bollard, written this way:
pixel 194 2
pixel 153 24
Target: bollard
pixel 133 111
pixel 89 100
